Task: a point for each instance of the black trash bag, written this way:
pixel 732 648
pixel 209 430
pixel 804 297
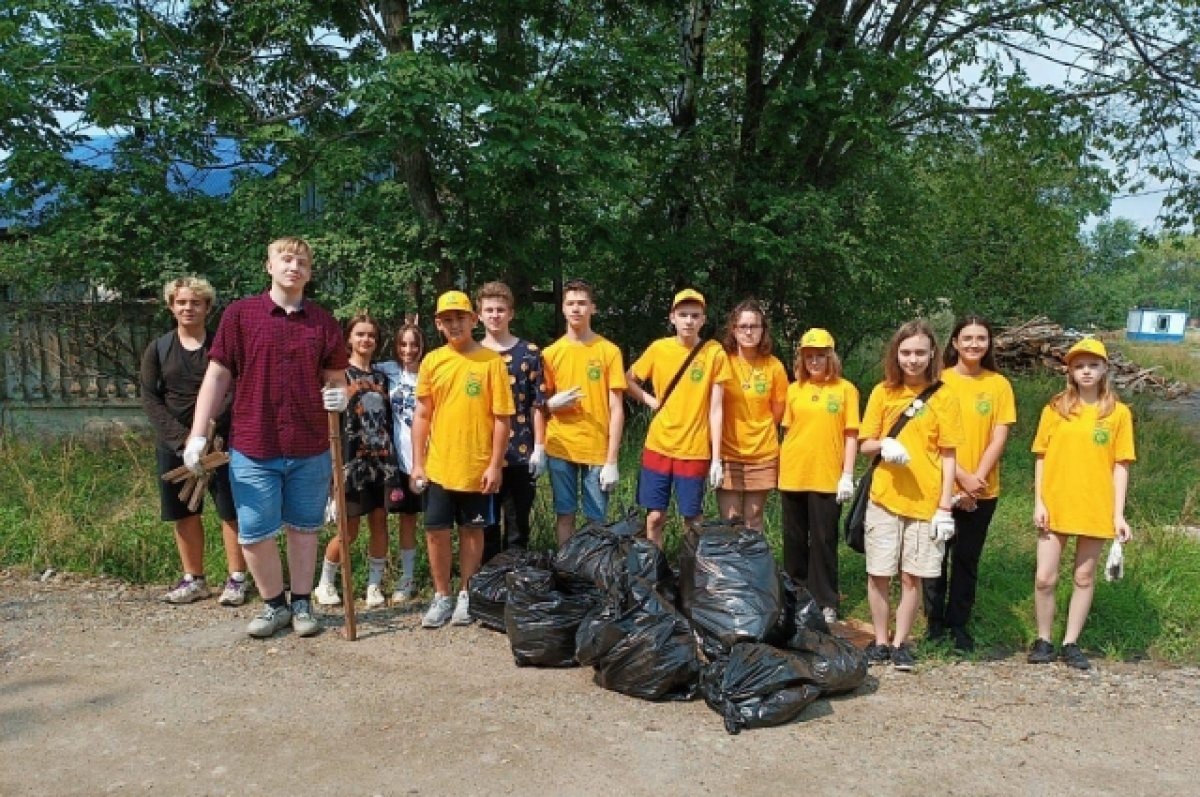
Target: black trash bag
pixel 728 586
pixel 800 610
pixel 489 587
pixel 757 686
pixel 541 621
pixel 646 651
pixel 834 664
pixel 587 562
pixel 642 567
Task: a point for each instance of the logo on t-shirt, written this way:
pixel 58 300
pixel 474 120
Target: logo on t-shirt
pixel 833 405
pixel 983 404
pixel 697 372
pixel 1100 436
pixel 474 384
pixel 594 370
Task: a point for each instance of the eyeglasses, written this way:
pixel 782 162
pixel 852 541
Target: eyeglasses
pixel 747 327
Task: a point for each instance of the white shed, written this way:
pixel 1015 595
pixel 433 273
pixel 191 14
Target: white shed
pixel 1151 323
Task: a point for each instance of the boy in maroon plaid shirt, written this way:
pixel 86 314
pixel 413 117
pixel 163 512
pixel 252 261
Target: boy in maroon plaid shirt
pixel 277 350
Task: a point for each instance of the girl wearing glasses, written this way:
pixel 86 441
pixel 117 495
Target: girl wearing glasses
pixel 753 406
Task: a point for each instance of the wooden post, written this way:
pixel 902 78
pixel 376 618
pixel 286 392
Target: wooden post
pixel 339 502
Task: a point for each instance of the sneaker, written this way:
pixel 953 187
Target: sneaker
pixel 188 590
pixel 439 612
pixel 462 610
pixel 935 631
pixel 878 654
pixel 269 621
pixel 963 641
pixel 903 659
pixel 1072 656
pixel 404 593
pixel 375 597
pixel 1042 652
pixel 234 593
pixel 303 622
pixel 830 615
pixel 326 594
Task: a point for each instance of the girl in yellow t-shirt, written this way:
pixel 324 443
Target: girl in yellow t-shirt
pixel 816 466
pixel 1084 445
pixel 908 518
pixel 753 406
pixel 985 399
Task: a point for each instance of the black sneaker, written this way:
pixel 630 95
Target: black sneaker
pixel 1042 652
pixel 963 642
pixel 935 631
pixel 1072 656
pixel 878 654
pixel 903 659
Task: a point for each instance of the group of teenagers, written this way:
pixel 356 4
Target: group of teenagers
pixel 462 433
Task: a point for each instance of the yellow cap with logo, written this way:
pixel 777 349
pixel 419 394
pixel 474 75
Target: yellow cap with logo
pixel 816 338
pixel 688 295
pixel 1088 346
pixel 454 300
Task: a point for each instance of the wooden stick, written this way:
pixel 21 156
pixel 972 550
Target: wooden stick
pixel 339 502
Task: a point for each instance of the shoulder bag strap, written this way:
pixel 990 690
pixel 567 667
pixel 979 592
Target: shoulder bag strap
pixel 898 426
pixel 678 374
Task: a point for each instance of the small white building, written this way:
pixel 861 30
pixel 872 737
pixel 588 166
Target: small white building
pixel 1155 324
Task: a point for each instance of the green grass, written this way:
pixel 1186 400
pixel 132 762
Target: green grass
pixel 94 509
pixel 1179 361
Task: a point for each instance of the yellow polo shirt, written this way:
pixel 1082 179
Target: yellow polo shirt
pixel 749 433
pixel 679 428
pixel 985 402
pixel 579 433
pixel 817 417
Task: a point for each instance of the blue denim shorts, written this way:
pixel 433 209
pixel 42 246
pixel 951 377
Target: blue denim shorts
pixel 565 480
pixel 277 492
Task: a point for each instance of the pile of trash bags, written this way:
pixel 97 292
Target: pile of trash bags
pixel 729 625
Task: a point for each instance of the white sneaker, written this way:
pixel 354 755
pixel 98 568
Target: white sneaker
pixel 404 592
pixel 326 594
pixel 375 597
pixel 439 612
pixel 188 590
pixel 462 610
pixel 830 615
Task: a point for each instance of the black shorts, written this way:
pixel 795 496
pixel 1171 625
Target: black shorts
pixel 365 501
pixel 445 509
pixel 173 509
pixel 401 500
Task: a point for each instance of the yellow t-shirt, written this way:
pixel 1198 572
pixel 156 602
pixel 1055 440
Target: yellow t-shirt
pixel 749 433
pixel 680 426
pixel 912 490
pixel 816 417
pixel 467 392
pixel 579 433
pixel 1077 473
pixel 985 402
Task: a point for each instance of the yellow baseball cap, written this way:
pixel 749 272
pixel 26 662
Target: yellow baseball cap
pixel 1087 346
pixel 454 300
pixel 816 338
pixel 688 295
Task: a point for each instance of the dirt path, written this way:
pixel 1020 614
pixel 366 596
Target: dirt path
pixel 105 691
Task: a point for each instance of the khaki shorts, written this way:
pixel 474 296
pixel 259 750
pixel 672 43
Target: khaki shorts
pixel 750 477
pixel 896 543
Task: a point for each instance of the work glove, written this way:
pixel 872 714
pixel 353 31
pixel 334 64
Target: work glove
pixel 893 451
pixel 942 526
pixel 192 452
pixel 845 488
pixel 565 398
pixel 330 510
pixel 335 399
pixel 537 461
pixel 609 476
pixel 1114 569
pixel 418 485
pixel 716 474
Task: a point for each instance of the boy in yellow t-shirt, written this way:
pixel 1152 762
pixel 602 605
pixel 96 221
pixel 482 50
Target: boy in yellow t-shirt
pixel 460 433
pixel 585 378
pixel 680 445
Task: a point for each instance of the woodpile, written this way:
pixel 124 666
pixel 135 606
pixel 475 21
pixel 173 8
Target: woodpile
pixel 1041 343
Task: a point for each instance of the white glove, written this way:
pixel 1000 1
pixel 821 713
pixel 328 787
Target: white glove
pixel 335 399
pixel 192 452
pixel 716 474
pixel 537 461
pixel 565 398
pixel 893 451
pixel 1114 568
pixel 845 488
pixel 942 526
pixel 609 476
pixel 418 486
pixel 330 510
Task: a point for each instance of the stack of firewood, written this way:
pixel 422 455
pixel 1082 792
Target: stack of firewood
pixel 1041 343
